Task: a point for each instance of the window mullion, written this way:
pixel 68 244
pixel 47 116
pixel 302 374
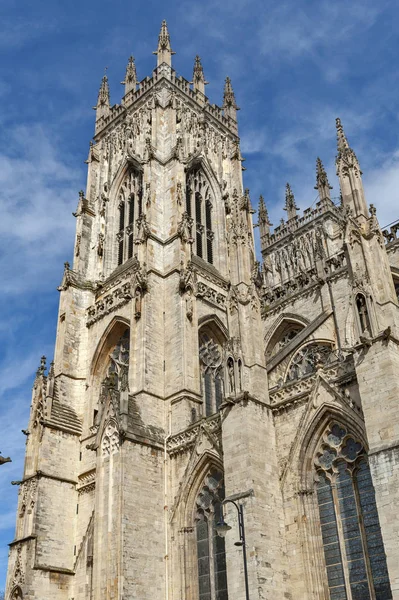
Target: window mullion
pixel 211 533
pixel 341 540
pixel 363 539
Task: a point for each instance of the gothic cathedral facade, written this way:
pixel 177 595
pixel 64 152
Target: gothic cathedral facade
pixel 186 373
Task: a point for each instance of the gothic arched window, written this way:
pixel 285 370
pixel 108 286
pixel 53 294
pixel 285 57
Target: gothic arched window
pixel 353 548
pixel 211 554
pixel 129 209
pixel 308 359
pixel 210 354
pixel 198 200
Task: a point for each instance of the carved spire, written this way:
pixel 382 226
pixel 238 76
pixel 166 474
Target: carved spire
pixel 130 81
pixel 322 184
pixel 349 173
pixel 102 108
pixel 198 81
pixel 229 101
pixel 164 51
pixel 290 205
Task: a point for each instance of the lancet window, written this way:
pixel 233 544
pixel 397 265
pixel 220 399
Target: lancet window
pixel 308 359
pixel 210 355
pixel 129 210
pixel 211 554
pixel 353 548
pixel 199 208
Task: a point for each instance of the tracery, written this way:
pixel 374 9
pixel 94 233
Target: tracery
pixel 352 542
pixel 211 554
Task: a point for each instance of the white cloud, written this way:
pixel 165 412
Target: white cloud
pixel 38 192
pixel 382 189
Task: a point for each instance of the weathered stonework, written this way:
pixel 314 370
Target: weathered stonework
pixel 185 371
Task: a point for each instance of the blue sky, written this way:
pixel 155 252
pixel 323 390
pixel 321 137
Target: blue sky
pixel 295 66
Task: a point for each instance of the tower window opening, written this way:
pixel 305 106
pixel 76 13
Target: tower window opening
pixel 198 190
pixel 130 206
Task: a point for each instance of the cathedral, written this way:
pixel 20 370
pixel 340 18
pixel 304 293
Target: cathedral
pixel 212 427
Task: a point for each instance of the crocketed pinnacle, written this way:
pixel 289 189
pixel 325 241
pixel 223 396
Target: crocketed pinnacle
pixel 229 101
pixel 290 205
pixel 103 94
pixel 40 371
pixel 341 137
pixel 198 75
pixel 263 213
pixel 164 50
pixel 322 184
pixel 130 81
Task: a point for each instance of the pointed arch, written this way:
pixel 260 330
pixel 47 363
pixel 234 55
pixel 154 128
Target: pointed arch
pixel 201 161
pixel 194 480
pixel 313 432
pixel 284 323
pixel 109 338
pixel 126 165
pixel 16 593
pixel 216 324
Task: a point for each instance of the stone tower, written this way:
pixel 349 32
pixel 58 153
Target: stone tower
pixel 186 374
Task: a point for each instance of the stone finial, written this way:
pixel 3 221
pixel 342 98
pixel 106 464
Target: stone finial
pixel 229 101
pixel 346 157
pixel 103 106
pixel 290 205
pixel 130 81
pixel 164 51
pixel 322 184
pixel 198 81
pixel 263 218
pixel 40 371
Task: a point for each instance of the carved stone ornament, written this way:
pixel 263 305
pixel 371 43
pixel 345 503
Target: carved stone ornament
pixel 184 228
pixel 19 575
pixel 142 229
pixel 111 440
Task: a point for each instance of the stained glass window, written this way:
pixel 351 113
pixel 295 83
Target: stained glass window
pixel 353 549
pixel 211 554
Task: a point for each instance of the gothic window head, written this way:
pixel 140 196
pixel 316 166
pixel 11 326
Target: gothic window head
pixel 285 332
pixel 308 359
pixel 354 554
pixel 211 365
pixel 129 202
pixel 211 554
pixel 199 207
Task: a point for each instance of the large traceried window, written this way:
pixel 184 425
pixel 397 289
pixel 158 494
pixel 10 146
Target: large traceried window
pixel 129 210
pixel 353 548
pixel 308 358
pixel 199 208
pixel 211 554
pixel 210 354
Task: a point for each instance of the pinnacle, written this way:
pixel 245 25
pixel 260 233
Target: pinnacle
pixel 341 137
pixel 164 50
pixel 290 205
